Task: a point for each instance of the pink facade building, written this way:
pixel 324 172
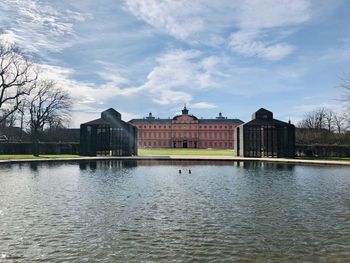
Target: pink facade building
pixel 186 131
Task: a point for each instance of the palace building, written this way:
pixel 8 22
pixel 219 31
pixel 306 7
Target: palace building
pixel 186 131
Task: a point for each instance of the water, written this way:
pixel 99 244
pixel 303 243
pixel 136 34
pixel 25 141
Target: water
pixel 147 212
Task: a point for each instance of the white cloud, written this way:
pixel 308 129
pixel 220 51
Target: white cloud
pixel 203 105
pixel 245 43
pixel 82 92
pixel 259 19
pixel 255 25
pixel 262 14
pixel 37 26
pixel 177 70
pixel 174 17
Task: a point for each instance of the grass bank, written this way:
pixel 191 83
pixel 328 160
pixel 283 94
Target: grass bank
pixel 29 156
pixel 325 158
pixel 145 152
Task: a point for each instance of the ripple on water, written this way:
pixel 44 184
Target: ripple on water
pixel 145 213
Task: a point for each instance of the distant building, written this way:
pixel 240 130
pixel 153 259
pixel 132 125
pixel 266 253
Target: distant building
pixel 265 136
pixel 108 135
pixel 185 131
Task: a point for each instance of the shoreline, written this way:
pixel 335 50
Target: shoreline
pixel 179 158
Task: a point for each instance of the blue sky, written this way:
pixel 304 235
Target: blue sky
pixel 223 56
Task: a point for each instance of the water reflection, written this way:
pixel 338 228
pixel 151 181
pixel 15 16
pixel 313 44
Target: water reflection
pixel 145 211
pixel 133 163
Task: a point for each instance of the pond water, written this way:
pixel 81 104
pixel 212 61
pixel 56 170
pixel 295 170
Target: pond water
pixel 146 211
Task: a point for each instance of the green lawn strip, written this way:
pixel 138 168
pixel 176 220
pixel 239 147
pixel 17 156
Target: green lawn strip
pixel 325 158
pixel 29 156
pixel 185 152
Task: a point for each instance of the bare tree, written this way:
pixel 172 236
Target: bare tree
pixel 328 119
pixel 17 78
pixel 345 85
pixel 47 101
pixel 339 121
pixel 314 120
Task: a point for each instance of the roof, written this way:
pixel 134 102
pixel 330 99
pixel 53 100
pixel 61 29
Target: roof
pixel 267 122
pixel 220 121
pixel 96 122
pixel 155 121
pixel 201 121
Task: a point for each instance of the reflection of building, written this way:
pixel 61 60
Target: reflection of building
pixel 108 135
pixel 264 136
pixel 185 131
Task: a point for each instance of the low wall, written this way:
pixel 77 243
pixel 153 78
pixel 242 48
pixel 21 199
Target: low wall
pixel 44 148
pixel 320 150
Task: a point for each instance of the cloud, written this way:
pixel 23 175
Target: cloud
pixel 263 19
pixel 37 26
pixel 264 14
pixel 83 92
pixel 177 73
pixel 245 43
pixel 203 105
pixel 255 25
pixel 174 17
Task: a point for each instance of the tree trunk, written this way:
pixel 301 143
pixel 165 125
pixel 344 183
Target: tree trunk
pixel 35 143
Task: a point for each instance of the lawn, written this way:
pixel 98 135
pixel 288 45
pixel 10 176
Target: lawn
pixel 225 152
pixel 325 158
pixel 29 156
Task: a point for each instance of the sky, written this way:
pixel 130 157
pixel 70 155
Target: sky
pixel 229 56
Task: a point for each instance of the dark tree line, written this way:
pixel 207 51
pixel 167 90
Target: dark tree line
pixel 26 99
pixel 325 126
pixel 327 120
